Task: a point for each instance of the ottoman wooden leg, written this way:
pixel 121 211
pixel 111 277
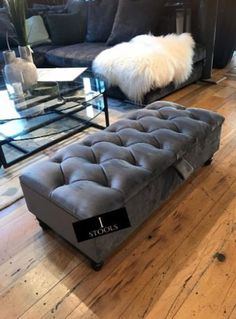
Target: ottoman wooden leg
pixel 96 266
pixel 208 162
pixel 42 224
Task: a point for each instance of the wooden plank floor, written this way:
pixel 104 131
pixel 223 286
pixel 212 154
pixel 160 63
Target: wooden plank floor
pixel 168 269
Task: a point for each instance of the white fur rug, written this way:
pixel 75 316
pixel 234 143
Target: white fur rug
pixel 146 62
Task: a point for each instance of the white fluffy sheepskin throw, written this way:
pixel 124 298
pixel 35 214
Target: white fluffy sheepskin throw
pixel 146 62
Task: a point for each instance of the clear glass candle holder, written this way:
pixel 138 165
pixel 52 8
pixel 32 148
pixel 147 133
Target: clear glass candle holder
pixel 14 89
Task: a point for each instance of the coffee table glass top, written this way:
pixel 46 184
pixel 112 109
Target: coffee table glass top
pixel 48 103
pixel 48 114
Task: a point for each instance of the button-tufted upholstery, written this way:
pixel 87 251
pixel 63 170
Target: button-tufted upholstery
pixel 105 170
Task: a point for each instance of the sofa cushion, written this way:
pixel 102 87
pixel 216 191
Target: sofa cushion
pixel 39 54
pixel 83 54
pixel 42 9
pixel 6 28
pixel 101 15
pixel 36 31
pixel 79 6
pixel 80 54
pixel 65 28
pixel 74 6
pixel 44 48
pixel 134 17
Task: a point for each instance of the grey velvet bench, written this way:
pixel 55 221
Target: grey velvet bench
pixel 96 192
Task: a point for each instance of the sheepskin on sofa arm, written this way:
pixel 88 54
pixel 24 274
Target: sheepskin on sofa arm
pixel 146 62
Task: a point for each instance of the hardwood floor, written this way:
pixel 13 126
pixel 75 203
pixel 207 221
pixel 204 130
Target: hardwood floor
pixel 171 268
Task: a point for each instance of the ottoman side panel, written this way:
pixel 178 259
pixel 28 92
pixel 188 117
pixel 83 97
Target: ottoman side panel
pixel 58 220
pixel 203 150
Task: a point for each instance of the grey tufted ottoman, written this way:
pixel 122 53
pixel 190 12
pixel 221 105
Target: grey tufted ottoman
pixel 125 171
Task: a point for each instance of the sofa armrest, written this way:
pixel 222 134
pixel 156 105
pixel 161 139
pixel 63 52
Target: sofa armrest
pixel 203 26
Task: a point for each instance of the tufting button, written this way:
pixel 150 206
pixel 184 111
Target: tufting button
pixel 56 160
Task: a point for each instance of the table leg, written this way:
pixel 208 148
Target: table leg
pixel 106 109
pixel 3 161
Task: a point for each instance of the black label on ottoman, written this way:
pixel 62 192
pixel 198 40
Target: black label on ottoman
pixel 101 225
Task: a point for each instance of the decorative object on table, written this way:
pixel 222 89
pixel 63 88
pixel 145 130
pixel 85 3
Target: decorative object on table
pixel 12 74
pixel 46 88
pixel 19 70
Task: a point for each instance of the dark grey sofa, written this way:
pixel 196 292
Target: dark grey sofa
pixel 82 54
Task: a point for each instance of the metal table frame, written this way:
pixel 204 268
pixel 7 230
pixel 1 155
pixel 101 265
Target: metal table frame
pixel 82 125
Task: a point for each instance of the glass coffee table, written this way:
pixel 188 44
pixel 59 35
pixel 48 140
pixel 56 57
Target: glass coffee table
pixel 51 112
